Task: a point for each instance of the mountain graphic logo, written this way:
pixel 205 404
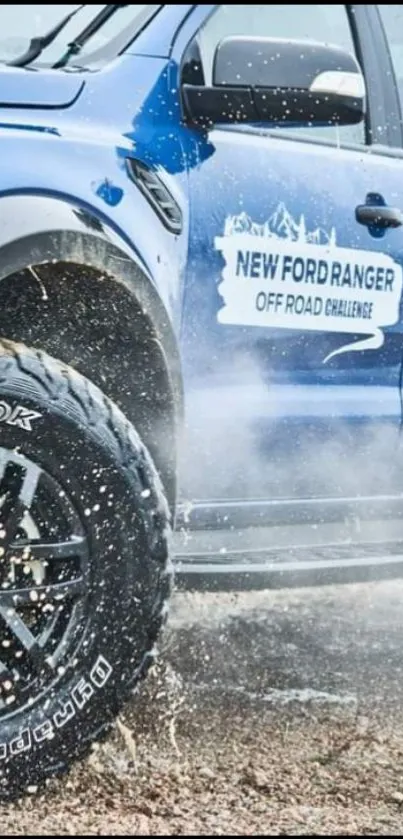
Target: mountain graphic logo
pixel 281 225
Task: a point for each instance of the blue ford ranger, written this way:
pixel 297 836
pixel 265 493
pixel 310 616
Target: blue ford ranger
pixel 201 264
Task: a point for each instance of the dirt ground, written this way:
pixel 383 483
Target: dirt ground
pixel 270 712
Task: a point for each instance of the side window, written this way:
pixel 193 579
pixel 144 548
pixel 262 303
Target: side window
pixel 327 24
pixel 392 19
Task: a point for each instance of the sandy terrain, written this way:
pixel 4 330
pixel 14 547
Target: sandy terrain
pixel 269 712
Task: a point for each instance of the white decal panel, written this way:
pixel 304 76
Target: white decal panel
pixel 280 275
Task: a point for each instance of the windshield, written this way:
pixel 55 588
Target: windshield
pixel 20 23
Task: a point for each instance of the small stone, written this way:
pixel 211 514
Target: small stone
pixel 206 772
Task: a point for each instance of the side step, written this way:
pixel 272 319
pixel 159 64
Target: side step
pixel 277 557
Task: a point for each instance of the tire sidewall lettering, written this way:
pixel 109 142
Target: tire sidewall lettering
pixel 78 697
pixel 18 415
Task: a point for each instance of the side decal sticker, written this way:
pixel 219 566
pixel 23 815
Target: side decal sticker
pixel 280 275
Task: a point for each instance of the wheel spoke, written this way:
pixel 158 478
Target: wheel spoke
pixel 39 595
pixel 25 475
pixel 23 635
pixel 30 485
pixel 11 515
pixel 20 478
pixel 38 550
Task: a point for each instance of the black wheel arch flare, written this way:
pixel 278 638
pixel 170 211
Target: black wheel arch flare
pixel 37 229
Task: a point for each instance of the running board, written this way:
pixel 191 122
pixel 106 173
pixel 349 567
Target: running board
pixel 220 560
pixel 290 511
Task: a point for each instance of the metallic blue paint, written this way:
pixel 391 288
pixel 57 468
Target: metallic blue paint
pixel 28 88
pixel 256 400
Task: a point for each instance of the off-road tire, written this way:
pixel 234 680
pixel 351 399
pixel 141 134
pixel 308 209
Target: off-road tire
pixel 55 418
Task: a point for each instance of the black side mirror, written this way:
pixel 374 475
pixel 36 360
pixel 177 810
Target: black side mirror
pixel 278 81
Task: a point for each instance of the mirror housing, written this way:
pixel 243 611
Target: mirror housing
pixel 282 82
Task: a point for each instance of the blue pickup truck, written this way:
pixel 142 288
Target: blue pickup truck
pixel 201 352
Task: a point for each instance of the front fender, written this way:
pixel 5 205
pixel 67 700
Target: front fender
pixel 35 229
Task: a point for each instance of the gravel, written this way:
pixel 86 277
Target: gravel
pixel 270 712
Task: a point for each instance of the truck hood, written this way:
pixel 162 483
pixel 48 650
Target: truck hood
pixel 22 87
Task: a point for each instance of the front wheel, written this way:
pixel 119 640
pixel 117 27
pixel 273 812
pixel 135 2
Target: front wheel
pixel 84 567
